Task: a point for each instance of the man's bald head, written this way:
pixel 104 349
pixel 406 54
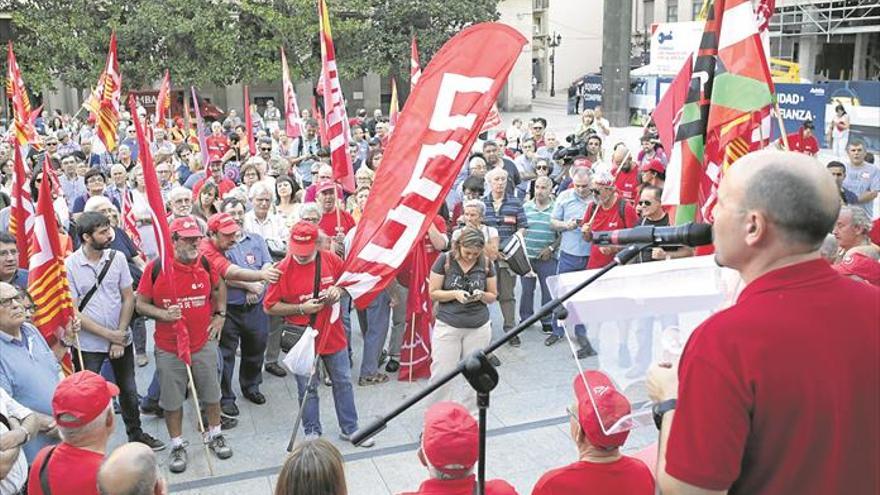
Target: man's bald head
pixel 131 469
pixel 793 190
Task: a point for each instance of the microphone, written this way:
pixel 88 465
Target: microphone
pixel 689 234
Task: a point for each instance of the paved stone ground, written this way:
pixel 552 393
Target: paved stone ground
pixel 528 425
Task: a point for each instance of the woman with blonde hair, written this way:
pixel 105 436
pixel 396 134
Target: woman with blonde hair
pixel 586 126
pixel 313 468
pixel 462 285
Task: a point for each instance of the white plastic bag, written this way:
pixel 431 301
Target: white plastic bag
pixel 301 357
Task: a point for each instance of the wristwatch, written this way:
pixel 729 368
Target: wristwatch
pixel 660 409
pixel 220 313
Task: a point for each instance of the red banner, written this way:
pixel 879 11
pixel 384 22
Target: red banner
pixel 293 122
pixel 163 101
pixel 415 350
pixel 21 217
pixel 435 132
pixel 249 122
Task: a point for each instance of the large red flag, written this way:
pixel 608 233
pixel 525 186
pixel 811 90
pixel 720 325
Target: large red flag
pixel 249 122
pixel 129 222
pixel 23 117
pixel 163 100
pixel 47 277
pixel 21 217
pixel 334 106
pixel 160 226
pixel 435 133
pixel 293 122
pixel 415 351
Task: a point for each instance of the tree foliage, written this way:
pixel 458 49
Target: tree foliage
pixel 226 41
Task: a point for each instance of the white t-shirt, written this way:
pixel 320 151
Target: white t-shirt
pixel 17 476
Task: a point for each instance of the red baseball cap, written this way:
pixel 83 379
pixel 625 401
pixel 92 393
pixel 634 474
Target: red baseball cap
pixel 185 227
pixel 653 165
pixel 80 398
pixel 303 238
pixel 861 266
pixel 324 185
pixel 450 440
pixel 611 405
pixel 223 223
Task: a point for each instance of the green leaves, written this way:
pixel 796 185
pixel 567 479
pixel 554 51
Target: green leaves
pixel 223 41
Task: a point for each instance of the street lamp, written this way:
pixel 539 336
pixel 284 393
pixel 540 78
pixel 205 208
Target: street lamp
pixel 555 41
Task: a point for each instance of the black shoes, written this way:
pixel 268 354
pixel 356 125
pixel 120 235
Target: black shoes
pixel 276 369
pixel 229 409
pixel 552 339
pixel 255 397
pixel 494 360
pixel 514 341
pixel 392 366
pixel 149 441
pixel 152 408
pixel 546 328
pixel 586 349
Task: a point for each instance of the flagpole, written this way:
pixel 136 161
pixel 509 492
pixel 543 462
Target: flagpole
pixel 195 396
pixel 616 172
pixel 781 124
pixel 412 330
pixel 79 353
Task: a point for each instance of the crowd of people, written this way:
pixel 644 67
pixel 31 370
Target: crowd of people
pixel 258 245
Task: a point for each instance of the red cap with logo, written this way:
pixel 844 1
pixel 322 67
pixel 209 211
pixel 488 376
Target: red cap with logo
pixel 654 165
pixel 324 185
pixel 80 398
pixel 303 238
pixel 450 440
pixel 223 223
pixel 611 405
pixel 185 227
pixel 861 266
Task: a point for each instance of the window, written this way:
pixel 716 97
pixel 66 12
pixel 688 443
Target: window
pixel 671 10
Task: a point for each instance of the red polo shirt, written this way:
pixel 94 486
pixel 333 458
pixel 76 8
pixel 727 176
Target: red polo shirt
pixel 808 145
pixel 609 220
pixel 217 145
pixel 627 184
pixel 71 470
pixel 625 475
pixel 464 486
pixel 329 222
pixel 779 393
pixel 191 287
pixel 297 286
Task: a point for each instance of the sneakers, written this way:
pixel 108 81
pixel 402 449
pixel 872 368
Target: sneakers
pixel 149 441
pixel 226 423
pixel 219 448
pixel 370 442
pixel 514 341
pixel 372 379
pixel 552 339
pixel 586 349
pixel 276 369
pixel 546 328
pixel 229 409
pixel 392 366
pixel 178 459
pixel 308 437
pixel 141 360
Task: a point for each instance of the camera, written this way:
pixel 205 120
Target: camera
pixel 575 149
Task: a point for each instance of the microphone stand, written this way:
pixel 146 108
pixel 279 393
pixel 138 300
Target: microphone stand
pixel 482 376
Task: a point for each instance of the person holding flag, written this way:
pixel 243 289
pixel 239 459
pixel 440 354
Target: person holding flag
pixel 196 300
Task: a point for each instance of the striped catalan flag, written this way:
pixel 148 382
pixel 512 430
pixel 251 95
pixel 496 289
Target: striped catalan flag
pixel 104 102
pixel 47 278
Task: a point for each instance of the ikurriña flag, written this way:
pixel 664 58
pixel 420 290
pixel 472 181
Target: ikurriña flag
pixel 47 276
pixel 435 132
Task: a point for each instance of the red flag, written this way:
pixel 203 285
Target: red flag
pixel 322 127
pixel 47 276
pixel 23 117
pixel 21 218
pixel 160 226
pixel 415 70
pixel 249 122
pixel 334 107
pixel 493 120
pixel 293 126
pixel 163 101
pixel 394 107
pixel 435 133
pixel 129 222
pixel 415 351
pixel 108 92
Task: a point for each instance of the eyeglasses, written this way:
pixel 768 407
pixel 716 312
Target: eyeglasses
pixel 51 144
pixel 7 302
pixel 595 191
pixel 310 220
pixel 645 203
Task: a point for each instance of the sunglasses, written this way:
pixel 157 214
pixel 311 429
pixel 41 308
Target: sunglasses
pixel 265 149
pixel 542 167
pixel 645 203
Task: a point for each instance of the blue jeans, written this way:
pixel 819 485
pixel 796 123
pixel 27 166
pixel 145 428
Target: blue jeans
pixel 543 269
pixel 339 368
pixel 570 263
pixel 248 325
pixel 378 318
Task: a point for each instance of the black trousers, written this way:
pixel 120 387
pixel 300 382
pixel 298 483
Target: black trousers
pixel 123 370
